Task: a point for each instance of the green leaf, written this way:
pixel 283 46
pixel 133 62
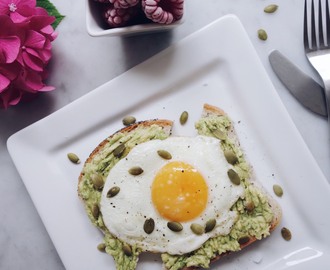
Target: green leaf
pixel 52 11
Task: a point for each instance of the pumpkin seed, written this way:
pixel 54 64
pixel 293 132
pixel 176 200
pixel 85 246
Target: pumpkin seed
pixel 262 34
pixel 184 117
pixel 73 158
pixel 113 192
pixel 243 240
pixel 219 134
pixel 119 150
pixel 149 225
pixel 129 120
pixel 234 177
pixel 101 247
pixel 197 229
pixel 230 157
pixel 127 250
pixel 95 211
pixel 175 226
pixel 286 234
pixel 164 154
pixel 249 206
pixel 270 8
pixel 210 225
pixel 135 170
pixel 278 190
pixel 97 181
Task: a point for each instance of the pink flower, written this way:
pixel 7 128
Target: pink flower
pixel 17 10
pixel 25 50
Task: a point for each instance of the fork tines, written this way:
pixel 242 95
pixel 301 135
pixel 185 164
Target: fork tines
pixel 317 40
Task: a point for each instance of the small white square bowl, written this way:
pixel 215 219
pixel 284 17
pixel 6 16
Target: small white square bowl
pixel 95 28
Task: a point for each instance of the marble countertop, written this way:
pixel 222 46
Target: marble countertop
pixel 80 63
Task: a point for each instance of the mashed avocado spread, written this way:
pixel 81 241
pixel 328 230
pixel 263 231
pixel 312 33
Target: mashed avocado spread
pixel 255 214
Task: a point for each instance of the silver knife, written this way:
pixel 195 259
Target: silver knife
pixel 306 90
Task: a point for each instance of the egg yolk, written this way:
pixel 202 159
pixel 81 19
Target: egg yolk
pixel 179 192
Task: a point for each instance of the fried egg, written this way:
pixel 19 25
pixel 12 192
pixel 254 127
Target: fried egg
pixel 191 187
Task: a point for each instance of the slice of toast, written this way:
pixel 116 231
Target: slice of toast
pixel 213 122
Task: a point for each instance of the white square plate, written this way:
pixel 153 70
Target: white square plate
pixel 216 65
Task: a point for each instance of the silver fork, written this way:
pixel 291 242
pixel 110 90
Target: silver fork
pixel 318 50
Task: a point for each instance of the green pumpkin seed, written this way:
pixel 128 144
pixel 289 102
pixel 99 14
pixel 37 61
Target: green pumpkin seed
pixel 129 120
pixel 286 234
pixel 230 157
pixel 210 225
pixel 73 158
pixel 262 34
pixel 95 211
pixel 135 170
pixel 278 190
pixel 270 8
pixel 101 247
pixel 119 150
pixel 113 192
pixel 219 134
pixel 149 225
pixel 234 177
pixel 175 226
pixel 127 250
pixel 243 240
pixel 184 117
pixel 97 181
pixel 197 229
pixel 164 154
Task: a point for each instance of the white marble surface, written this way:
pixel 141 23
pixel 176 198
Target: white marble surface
pixel 81 63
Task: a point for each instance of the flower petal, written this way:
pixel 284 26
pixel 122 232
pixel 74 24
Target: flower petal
pixel 30 81
pixel 4 82
pixel 34 40
pixel 32 62
pixel 11 96
pixel 8 28
pixel 10 70
pixel 38 22
pixel 47 88
pixel 17 18
pixel 9 48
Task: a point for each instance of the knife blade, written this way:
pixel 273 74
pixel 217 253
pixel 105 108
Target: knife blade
pixel 305 89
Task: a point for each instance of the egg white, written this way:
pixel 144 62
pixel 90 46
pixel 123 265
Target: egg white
pixel 124 215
